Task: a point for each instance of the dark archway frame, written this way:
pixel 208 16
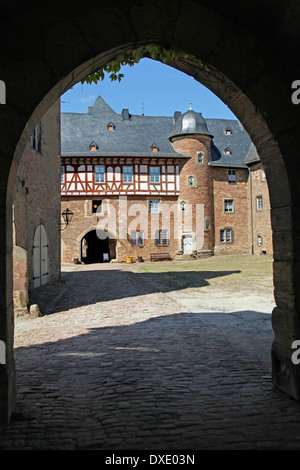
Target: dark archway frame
pixel 248 68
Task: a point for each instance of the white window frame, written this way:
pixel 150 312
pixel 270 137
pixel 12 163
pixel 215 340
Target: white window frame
pixel 226 236
pixel 260 240
pixel 200 156
pixel 62 174
pixel 99 175
pixel 137 238
pixel 154 174
pixel 226 210
pixel 259 203
pixel 154 206
pixel 127 175
pixel 232 176
pixel 263 175
pixel 191 181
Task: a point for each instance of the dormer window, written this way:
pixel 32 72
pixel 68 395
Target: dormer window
pixel 154 148
pixel 228 131
pixel 93 147
pixel 227 151
pixel 111 126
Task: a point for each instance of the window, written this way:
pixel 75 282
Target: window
pixel 154 206
pixel 200 157
pixel 263 175
pixel 227 151
pixel 36 138
pixel 226 235
pixel 259 203
pixel 62 174
pixel 154 174
pixel 111 126
pixel 137 238
pixel 161 238
pixel 93 147
pixel 182 206
pixel 260 240
pixel 232 177
pixel 229 206
pixel 228 131
pixel 127 174
pixel 96 207
pixel 191 181
pixel 99 174
pixel 154 148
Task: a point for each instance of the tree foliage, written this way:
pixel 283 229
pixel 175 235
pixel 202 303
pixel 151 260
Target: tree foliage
pixel 154 52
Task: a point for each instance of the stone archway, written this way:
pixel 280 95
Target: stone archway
pixel 243 62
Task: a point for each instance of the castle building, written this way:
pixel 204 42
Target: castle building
pixel 160 187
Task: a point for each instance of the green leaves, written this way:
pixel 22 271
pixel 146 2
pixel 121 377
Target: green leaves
pixel 152 51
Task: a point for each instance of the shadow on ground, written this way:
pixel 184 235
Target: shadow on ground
pixel 102 285
pixel 170 382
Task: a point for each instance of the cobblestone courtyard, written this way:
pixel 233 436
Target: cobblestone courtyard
pixel 151 356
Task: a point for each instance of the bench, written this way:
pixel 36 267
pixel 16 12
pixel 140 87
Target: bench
pixel 160 256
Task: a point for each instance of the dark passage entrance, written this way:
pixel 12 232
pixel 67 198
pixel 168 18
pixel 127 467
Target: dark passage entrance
pixel 94 249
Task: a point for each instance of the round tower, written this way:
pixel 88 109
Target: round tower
pixel 191 137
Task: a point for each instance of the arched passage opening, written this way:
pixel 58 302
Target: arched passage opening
pixel 235 69
pixel 95 249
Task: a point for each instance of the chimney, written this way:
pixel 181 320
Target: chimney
pixel 176 115
pixel 125 114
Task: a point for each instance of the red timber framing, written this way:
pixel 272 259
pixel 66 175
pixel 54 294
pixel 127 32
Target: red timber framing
pixel 78 176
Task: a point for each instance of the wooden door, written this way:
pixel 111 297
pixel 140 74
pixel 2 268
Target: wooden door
pixel 40 257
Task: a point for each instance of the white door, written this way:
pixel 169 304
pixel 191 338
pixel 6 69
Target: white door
pixel 187 244
pixel 40 257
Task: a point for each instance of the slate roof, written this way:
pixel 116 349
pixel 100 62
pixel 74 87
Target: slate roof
pixel 134 135
pixel 131 137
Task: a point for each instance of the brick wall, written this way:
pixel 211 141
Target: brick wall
pixel 37 201
pixel 262 230
pixel 236 221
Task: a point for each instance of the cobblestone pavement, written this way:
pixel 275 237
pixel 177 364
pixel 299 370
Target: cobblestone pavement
pixel 119 365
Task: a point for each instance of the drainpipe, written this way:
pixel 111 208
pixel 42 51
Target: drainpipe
pixel 251 211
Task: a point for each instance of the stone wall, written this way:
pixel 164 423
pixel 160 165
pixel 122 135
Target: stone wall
pixel 37 201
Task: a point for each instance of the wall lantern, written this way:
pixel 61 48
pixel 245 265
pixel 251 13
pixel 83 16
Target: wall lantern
pixel 67 215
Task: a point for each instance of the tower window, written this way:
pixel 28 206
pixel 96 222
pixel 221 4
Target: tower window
pixel 191 181
pixel 260 240
pixel 259 203
pixel 200 157
pixel 182 206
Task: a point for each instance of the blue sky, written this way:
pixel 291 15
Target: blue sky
pixel 150 87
